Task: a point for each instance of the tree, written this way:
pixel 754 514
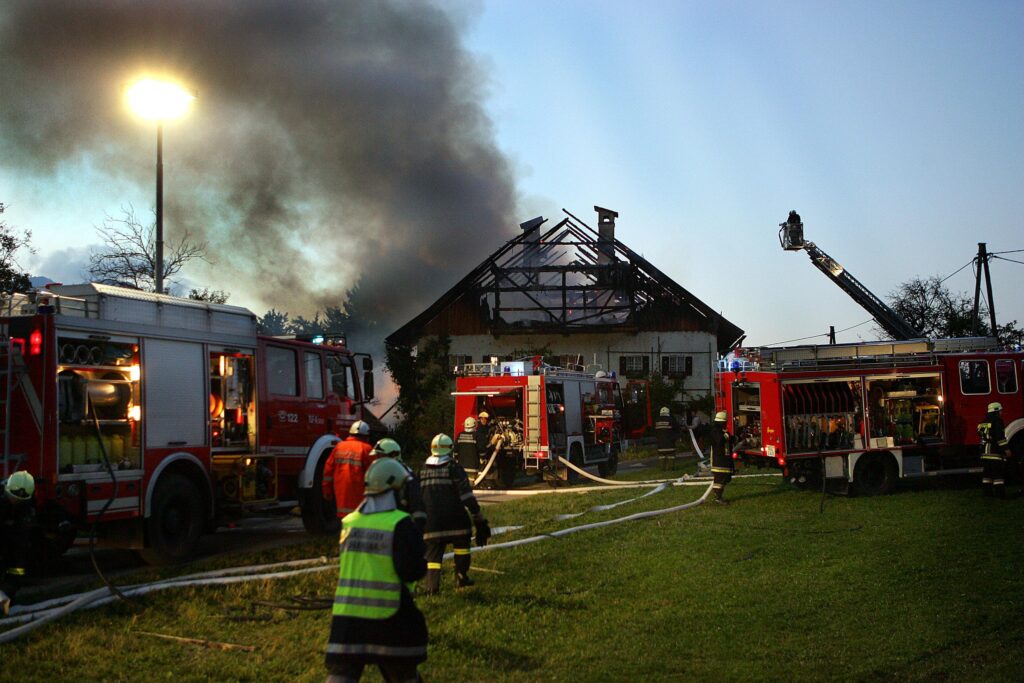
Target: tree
pixel 273 323
pixel 213 296
pixel 12 279
pixel 424 380
pixel 128 257
pixel 938 313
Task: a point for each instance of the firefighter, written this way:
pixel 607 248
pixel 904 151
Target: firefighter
pixel 410 497
pixel 667 431
pixel 722 467
pixel 16 518
pixel 448 496
pixel 346 468
pixel 483 436
pixel 993 460
pixel 466 446
pixel 375 620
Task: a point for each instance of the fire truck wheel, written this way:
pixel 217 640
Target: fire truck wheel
pixel 610 466
pixel 319 516
pixel 176 522
pixel 576 458
pixel 875 475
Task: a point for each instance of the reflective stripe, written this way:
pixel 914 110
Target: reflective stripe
pixel 440 481
pixel 351 460
pixel 365 602
pixel 986 481
pixel 433 565
pixel 372 585
pixel 368 649
pixel 374 541
pixel 16 571
pixel 723 470
pixel 992 457
pixel 466 496
pixel 999 482
pixel 462 551
pixel 445 534
pixel 718 487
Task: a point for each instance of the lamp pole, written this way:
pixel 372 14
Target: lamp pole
pixel 159 274
pixel 159 101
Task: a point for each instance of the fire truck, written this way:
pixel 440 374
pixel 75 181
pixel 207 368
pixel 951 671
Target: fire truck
pixel 156 418
pixel 867 415
pixel 541 413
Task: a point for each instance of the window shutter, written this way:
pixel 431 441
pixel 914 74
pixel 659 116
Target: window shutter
pixel 664 366
pixel 622 365
pixel 647 365
pixel 689 366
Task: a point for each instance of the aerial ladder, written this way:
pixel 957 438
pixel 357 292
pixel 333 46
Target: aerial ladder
pixel 791 238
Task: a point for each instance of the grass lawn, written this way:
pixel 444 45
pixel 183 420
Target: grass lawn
pixel 922 585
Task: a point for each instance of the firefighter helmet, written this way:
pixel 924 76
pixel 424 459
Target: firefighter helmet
pixel 720 416
pixel 387 448
pixel 19 487
pixel 441 445
pixel 483 415
pixel 995 407
pixel 385 474
pixel 469 424
pixel 359 428
pixel 664 412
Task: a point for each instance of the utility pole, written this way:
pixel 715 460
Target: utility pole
pixel 982 267
pixel 831 334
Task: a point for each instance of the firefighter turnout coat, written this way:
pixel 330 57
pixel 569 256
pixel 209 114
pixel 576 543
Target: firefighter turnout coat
pixel 447 495
pixel 344 473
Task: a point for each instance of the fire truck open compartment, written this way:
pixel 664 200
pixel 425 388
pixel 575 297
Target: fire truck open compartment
pixel 823 415
pixel 97 404
pixel 902 410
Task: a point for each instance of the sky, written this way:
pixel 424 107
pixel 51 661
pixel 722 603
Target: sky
pixel 894 128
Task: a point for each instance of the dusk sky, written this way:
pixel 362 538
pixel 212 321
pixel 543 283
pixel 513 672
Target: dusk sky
pixel 405 142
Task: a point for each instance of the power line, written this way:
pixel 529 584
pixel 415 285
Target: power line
pixel 815 336
pixel 956 271
pixel 1011 251
pixel 1003 258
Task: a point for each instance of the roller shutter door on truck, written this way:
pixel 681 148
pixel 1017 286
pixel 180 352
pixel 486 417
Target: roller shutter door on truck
pixel 175 410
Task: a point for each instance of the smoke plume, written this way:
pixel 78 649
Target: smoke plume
pixel 332 142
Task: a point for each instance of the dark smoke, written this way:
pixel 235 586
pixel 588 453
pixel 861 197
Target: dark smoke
pixel 332 142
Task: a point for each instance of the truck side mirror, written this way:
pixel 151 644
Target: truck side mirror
pixel 367 384
pixel 367 364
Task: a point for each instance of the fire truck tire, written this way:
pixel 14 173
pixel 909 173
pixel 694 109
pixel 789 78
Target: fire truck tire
pixel 576 458
pixel 176 522
pixel 610 466
pixel 875 475
pixel 319 516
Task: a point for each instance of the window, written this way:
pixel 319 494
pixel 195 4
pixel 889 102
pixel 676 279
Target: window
pixel 676 366
pixel 974 377
pixel 456 360
pixel 314 374
pixel 635 366
pixel 342 380
pixel 1006 377
pixel 282 378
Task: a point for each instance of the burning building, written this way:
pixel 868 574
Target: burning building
pixel 580 297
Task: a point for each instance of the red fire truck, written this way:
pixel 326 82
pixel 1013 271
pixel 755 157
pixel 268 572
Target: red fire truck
pixel 870 413
pixel 158 417
pixel 543 412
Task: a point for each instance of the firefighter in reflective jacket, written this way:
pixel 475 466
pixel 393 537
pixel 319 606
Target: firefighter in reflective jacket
pixel 410 498
pixel 375 620
pixel 17 515
pixel 993 459
pixel 346 468
pixel 722 467
pixel 448 496
pixel 466 449
pixel 666 430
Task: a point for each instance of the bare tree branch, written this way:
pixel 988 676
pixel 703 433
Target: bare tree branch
pixel 128 257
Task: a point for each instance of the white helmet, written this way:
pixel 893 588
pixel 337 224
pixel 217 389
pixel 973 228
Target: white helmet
pixel 721 416
pixel 664 412
pixel 440 450
pixel 19 487
pixel 995 407
pixel 483 415
pixel 469 424
pixel 359 428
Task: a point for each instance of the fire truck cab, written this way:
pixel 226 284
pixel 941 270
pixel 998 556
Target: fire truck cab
pixel 542 413
pixel 156 417
pixel 873 413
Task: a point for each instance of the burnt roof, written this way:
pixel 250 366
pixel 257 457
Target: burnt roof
pixel 566 279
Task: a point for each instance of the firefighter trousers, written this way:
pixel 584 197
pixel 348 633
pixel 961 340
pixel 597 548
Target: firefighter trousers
pixel 722 476
pixel 435 551
pixel 993 475
pixel 391 670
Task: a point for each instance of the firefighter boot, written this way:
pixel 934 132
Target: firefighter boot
pixel 462 561
pixel 999 491
pixel 432 584
pixel 718 496
pixel 986 488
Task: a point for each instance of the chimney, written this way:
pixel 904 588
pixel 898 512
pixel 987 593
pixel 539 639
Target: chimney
pixel 531 241
pixel 606 235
